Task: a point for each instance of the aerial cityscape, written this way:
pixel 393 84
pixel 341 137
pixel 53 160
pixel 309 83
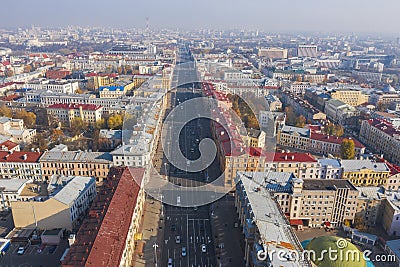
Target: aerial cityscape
pixel 202 134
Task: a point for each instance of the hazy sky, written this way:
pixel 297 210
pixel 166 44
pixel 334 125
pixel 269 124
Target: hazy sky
pixel 277 15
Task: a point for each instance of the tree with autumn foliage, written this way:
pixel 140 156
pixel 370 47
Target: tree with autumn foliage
pixel 347 149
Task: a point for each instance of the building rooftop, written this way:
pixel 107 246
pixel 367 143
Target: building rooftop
pixel 102 236
pixel 327 184
pixel 334 139
pixel 275 231
pixel 19 156
pixel 335 163
pixel 394 246
pixel 76 156
pixel 272 181
pixel 13 185
pixel 71 191
pixel 75 106
pixel 296 130
pixel 8 145
pixel 355 165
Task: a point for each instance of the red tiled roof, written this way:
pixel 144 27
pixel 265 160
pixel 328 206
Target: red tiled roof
pixel 75 106
pixel 101 238
pixel 110 241
pixel 334 139
pixel 19 156
pixel 8 145
pixel 384 126
pixel 293 157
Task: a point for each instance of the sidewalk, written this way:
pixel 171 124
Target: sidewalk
pixel 228 240
pixel 152 233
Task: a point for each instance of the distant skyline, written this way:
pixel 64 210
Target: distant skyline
pixel 272 16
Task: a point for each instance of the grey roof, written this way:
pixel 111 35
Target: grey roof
pixel 60 147
pixel 291 130
pixel 13 185
pixel 272 181
pixel 371 192
pixel 336 103
pixel 330 162
pixel 354 165
pixel 270 221
pixel 76 156
pixel 106 133
pixel 71 191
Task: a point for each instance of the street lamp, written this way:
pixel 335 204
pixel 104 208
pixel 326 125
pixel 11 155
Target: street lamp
pixel 155 246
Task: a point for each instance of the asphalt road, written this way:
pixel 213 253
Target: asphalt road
pixel 187 228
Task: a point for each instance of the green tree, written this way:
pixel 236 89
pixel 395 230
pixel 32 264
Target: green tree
pixel 115 121
pixel 339 130
pixel 5 111
pixel 347 149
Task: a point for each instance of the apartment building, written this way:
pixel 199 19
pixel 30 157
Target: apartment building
pixel 273 52
pixel 341 113
pixel 61 209
pixel 382 138
pixel 15 129
pixel 365 172
pixel 308 140
pixel 67 113
pixel 254 138
pixel 369 206
pixel 75 163
pixel 11 190
pixel 309 202
pixel 351 97
pixel 264 226
pixel 55 86
pixel 111 91
pixel 20 164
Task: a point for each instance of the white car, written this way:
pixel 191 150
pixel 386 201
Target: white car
pixel 183 251
pixel 203 248
pixel 21 250
pixel 178 239
pixel 169 262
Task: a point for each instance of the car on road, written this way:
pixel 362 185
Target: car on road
pixel 169 262
pixel 183 251
pixel 21 251
pixel 203 248
pixel 178 239
pixel 173 227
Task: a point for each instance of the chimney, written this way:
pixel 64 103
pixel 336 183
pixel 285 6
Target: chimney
pixel 25 157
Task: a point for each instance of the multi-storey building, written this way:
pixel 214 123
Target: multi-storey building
pixel 351 97
pixel 75 163
pixel 11 190
pixel 273 52
pixel 341 113
pixel 20 164
pixel 307 51
pixel 111 91
pixel 16 130
pixel 265 226
pixel 308 140
pixel 63 87
pixel 254 138
pixel 309 202
pixel 382 138
pixel 365 172
pixel 67 113
pixel 117 209
pixel 61 209
pixel 369 206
